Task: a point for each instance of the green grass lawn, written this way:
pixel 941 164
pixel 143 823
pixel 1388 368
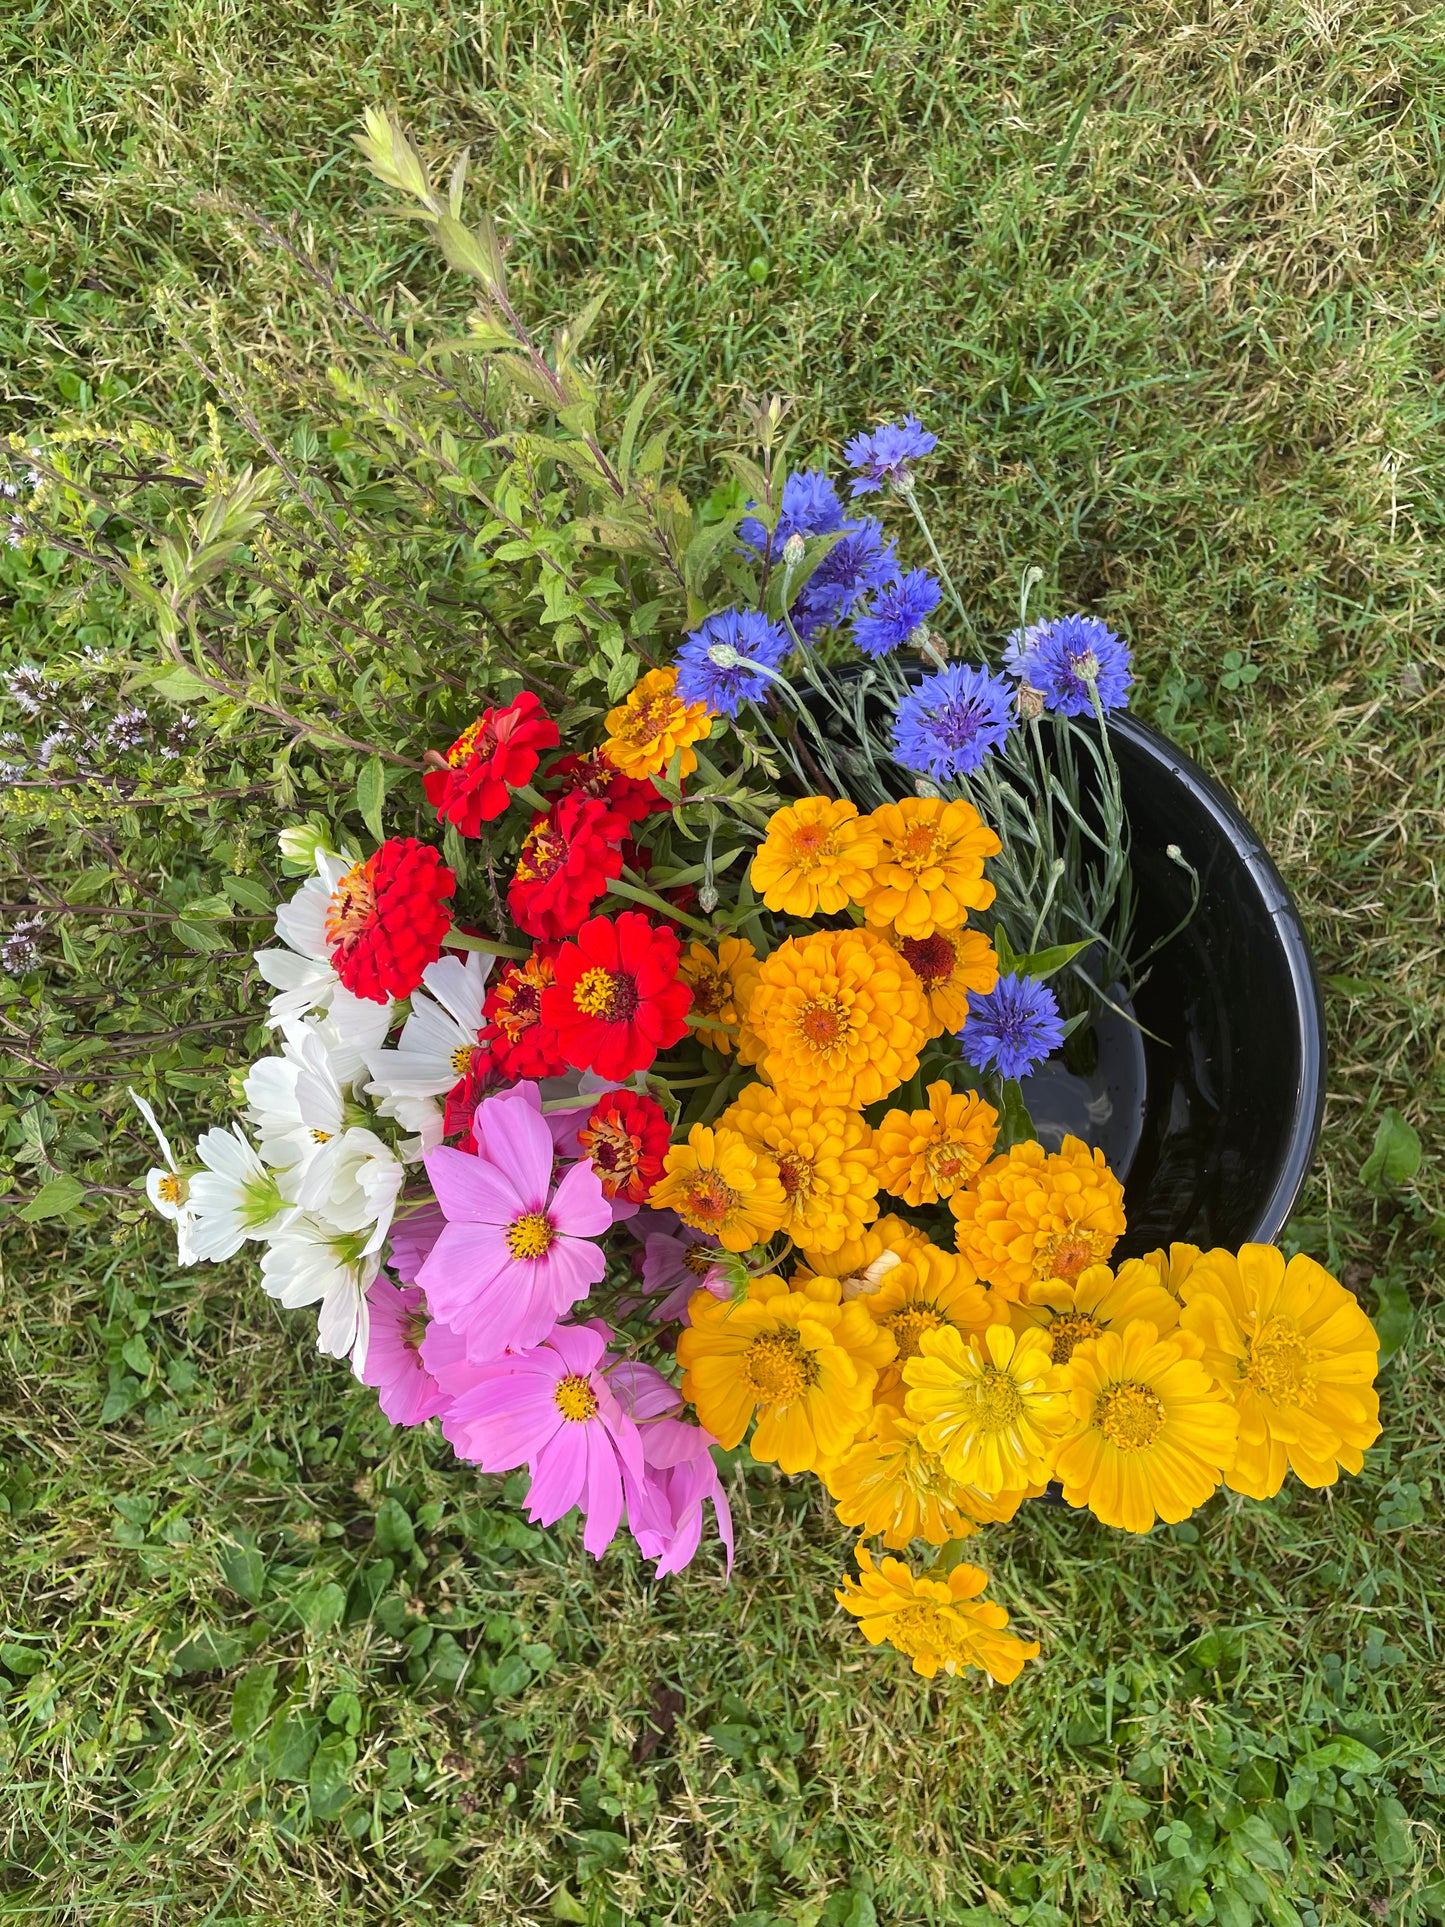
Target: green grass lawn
pixel 1166 278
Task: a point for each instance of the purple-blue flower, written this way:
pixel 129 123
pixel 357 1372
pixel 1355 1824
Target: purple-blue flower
pixel 951 722
pixel 862 560
pixel 895 612
pixel 714 663
pixel 811 506
pixel 1011 1028
pixel 884 455
pixel 1062 657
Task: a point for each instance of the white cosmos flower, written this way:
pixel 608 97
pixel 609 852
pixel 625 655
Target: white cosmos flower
pixel 235 1197
pixel 168 1189
pixel 436 1045
pixel 312 1261
pixel 355 1187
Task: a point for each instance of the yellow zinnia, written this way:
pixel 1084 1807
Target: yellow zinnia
pixel 861 1264
pixel 802 1361
pixel 930 872
pixel 1297 1356
pixel 948 964
pixel 935 1622
pixel 925 1291
pixel 722 987
pixel 926 1155
pixel 1171 1267
pixel 818 854
pixel 992 1407
pixel 645 731
pixel 840 1016
pixel 887 1485
pixel 1034 1214
pixel 824 1166
pixel 1153 1431
pixel 1098 1300
pixel 718 1182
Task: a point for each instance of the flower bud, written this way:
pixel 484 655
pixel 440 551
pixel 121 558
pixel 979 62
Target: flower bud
pixel 707 899
pixel 299 843
pixel 1030 702
pixel 793 550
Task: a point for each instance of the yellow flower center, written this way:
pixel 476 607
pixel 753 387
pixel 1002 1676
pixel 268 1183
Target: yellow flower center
pixel 541 856
pixel 707 1201
pixel 477 739
pixel 171 1189
pixel 823 1024
pixel 950 1162
pixel 530 1236
pixel 931 959
pixel 813 845
pixel 926 1628
pixel 320 1137
pixel 777 1369
pixel 1130 1416
pixel 608 994
pixel 909 1323
pixel 352 905
pixel 414 1330
pixel 709 993
pixel 1279 1364
pixel 919 848
pixel 646 721
pixel 699 1259
pixel 999 1400
pixel 462 1059
pixel 1068 1252
pixel 796 1175
pixel 1071 1328
pixel 575 1398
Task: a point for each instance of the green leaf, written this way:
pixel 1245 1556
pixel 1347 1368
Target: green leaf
pixel 202 937
pixel 1396 1155
pixel 321 1607
pixel 1392 1837
pixel 371 796
pixel 136 1354
pixel 1004 951
pixel 1015 1126
pixel 344 1710
pixel 509 1676
pixel 53 1200
pixel 293 1740
pixel 1044 963
pixel 180 685
pixel 394 1530
pixel 1350 1756
pixel 244 1571
pixel 251 1701
pixel 1394 1316
pixel 329 1781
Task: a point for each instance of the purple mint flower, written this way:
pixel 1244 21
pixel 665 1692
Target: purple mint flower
pixel 1011 1028
pixel 895 612
pixel 884 456
pixel 1062 657
pixel 951 722
pixel 515 1253
pixel 552 1410
pixel 406 1390
pixel 714 664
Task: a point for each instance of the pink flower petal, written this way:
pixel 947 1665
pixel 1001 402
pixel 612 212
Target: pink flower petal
pixel 473 1190
pixel 604 1492
pixel 465 1262
pixel 559 1473
pixel 444 1353
pixel 579 1205
pixel 518 1145
pixel 412 1236
pixel 643 1393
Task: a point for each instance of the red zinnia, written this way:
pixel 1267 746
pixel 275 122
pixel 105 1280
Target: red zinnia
pixel 522 1045
pixel 385 921
pixel 478 1081
pixel 489 758
pixel 617 1000
pixel 594 774
pixel 626 1136
pixel 566 863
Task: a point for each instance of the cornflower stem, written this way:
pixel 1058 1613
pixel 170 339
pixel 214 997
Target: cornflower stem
pixel 911 497
pixel 632 887
pixel 534 797
pixel 489 947
pixel 1056 870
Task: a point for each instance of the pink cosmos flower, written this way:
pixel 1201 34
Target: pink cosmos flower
pixel 414 1231
pixel 514 1254
pixel 677 1263
pixel 444 1354
pixel 665 1513
pixel 551 1410
pixel 406 1390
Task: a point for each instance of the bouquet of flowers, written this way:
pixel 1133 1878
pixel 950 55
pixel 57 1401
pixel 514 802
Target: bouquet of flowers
pixel 668 1094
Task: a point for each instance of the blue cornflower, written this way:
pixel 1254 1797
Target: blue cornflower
pixel 895 612
pixel 1011 1028
pixel 811 506
pixel 951 722
pixel 714 663
pixel 861 560
pixel 1060 658
pixel 884 455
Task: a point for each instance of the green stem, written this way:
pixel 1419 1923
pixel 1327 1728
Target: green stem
pixel 638 893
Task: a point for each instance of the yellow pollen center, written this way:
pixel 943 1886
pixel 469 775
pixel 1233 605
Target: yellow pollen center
pixel 909 1323
pixel 796 1176
pixel 1130 1416
pixel 918 848
pixel 478 738
pixel 699 1259
pixel 352 905
pixel 608 994
pixel 171 1188
pixel 999 1400
pixel 575 1398
pixel 1067 1253
pixel 649 719
pixel 927 1628
pixel 320 1137
pixel 1071 1328
pixel 462 1059
pixel 708 1202
pixel 813 845
pixel 530 1236
pixel 777 1369
pixel 823 1024
pixel 709 994
pixel 1279 1363
pixel 950 1162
